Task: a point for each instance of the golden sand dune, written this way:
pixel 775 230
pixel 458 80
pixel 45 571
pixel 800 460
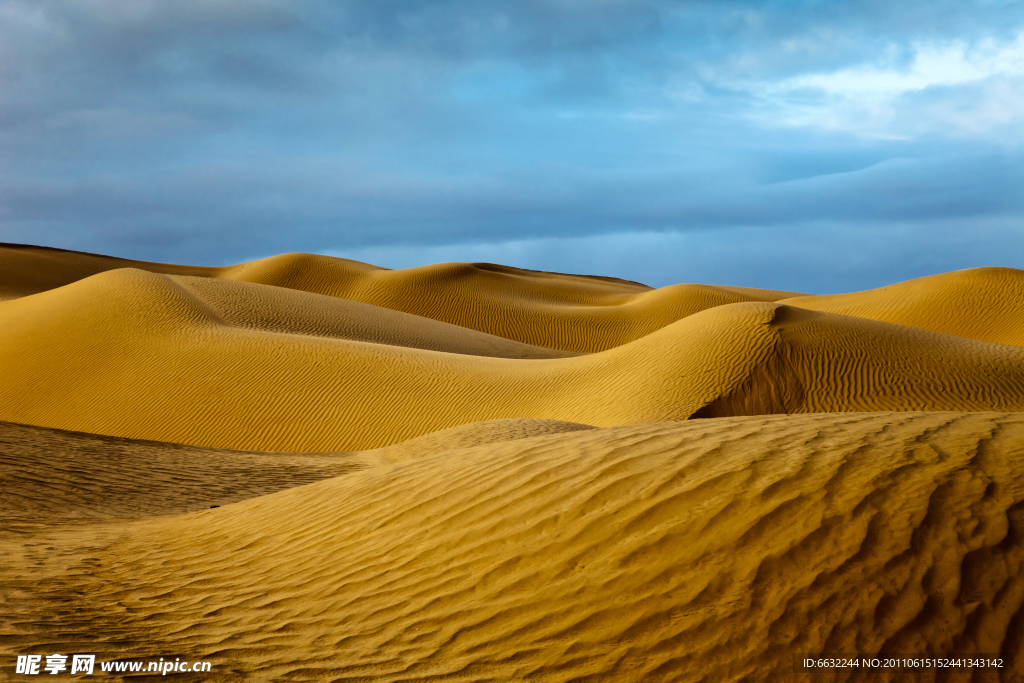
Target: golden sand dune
pixel 133 354
pixel 981 303
pixel 823 362
pixel 275 309
pixel 469 436
pixel 466 472
pixel 711 550
pixel 26 269
pixel 48 474
pixel 569 312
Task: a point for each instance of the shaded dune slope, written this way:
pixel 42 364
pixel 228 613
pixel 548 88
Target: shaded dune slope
pixel 823 362
pixel 50 475
pixel 134 354
pixel 697 551
pixel 980 303
pixel 552 310
pixel 26 269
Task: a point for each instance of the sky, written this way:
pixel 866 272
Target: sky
pixel 814 146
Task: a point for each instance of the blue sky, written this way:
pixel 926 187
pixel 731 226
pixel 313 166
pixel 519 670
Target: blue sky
pixel 813 146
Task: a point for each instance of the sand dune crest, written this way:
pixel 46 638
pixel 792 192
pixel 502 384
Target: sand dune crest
pixel 980 303
pixel 568 312
pixel 833 363
pixel 137 355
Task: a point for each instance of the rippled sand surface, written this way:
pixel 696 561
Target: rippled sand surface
pixel 306 468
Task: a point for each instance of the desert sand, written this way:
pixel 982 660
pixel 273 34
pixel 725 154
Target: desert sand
pixel 981 303
pixel 307 468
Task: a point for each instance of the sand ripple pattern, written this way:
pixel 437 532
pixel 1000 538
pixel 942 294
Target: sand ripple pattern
pixel 139 355
pixel 48 475
pixel 710 550
pixel 986 304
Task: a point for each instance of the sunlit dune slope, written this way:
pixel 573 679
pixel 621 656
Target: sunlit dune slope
pixel 981 303
pixel 275 309
pixel 25 271
pixel 133 354
pixel 697 551
pixel 469 436
pixel 569 312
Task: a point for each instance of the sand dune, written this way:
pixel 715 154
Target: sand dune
pixel 981 303
pixel 307 468
pixel 48 475
pixel 51 475
pixel 710 550
pixel 551 310
pixel 568 312
pixel 133 354
pixel 275 309
pixel 469 436
pixel 831 363
pixel 26 269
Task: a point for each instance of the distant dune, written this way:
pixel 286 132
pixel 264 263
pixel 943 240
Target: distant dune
pixel 134 354
pixel 981 303
pixel 567 312
pixel 309 468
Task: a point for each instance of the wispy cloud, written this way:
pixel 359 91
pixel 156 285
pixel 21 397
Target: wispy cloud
pixel 954 86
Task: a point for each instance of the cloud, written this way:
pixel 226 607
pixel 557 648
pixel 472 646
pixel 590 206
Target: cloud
pixel 218 130
pixel 954 63
pixel 970 88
